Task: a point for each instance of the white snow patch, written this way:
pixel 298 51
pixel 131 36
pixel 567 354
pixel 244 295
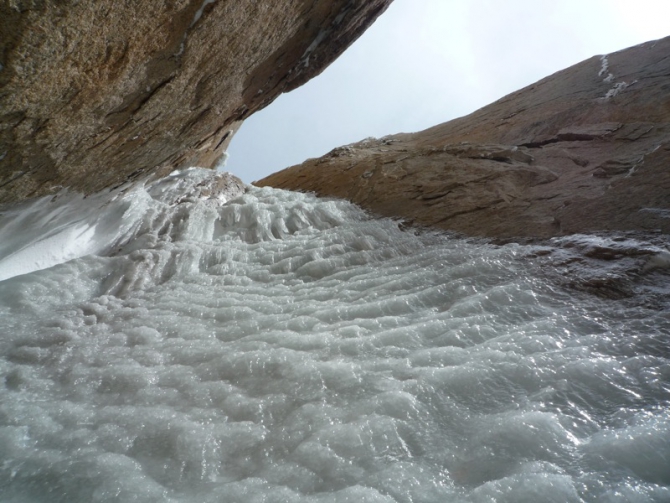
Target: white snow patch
pixel 604 70
pixel 609 78
pixel 618 87
pixel 50 231
pixel 605 65
pixel 223 160
pixel 66 244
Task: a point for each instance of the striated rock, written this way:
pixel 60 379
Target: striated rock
pixel 586 149
pixel 96 93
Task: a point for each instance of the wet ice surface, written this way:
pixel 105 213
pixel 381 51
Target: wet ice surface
pixel 280 348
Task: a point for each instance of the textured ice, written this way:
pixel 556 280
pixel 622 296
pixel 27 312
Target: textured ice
pixel 282 348
pixel 47 232
pixel 201 10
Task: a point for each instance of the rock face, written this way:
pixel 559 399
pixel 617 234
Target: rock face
pixel 586 149
pixel 96 93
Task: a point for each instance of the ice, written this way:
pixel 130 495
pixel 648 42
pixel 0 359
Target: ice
pixel 72 242
pixel 608 78
pixel 618 87
pixel 604 70
pixel 201 10
pixel 200 344
pixel 50 231
pixel 320 37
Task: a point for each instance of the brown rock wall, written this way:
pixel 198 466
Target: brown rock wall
pixel 96 93
pixel 586 149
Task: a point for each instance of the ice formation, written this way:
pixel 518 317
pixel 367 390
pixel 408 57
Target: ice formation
pixel 604 70
pixel 609 78
pixel 276 347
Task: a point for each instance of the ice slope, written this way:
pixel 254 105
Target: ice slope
pixel 275 347
pixel 49 231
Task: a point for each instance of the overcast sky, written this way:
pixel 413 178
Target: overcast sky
pixel 425 62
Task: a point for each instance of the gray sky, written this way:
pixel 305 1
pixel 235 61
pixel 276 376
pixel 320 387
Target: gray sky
pixel 425 62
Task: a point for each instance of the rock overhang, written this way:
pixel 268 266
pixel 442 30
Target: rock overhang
pixel 94 94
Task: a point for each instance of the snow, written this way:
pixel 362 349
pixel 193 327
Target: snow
pixel 72 242
pixel 222 162
pixel 609 78
pixel 192 343
pixel 50 231
pixel 618 87
pixel 604 69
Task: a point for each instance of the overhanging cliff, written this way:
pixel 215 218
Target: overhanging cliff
pixel 96 93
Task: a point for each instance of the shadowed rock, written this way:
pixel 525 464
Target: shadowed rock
pixel 586 149
pixel 96 93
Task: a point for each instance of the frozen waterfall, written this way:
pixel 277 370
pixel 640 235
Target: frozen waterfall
pixel 176 343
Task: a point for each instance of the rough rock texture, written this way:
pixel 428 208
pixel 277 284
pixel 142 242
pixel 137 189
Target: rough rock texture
pixel 95 93
pixel 585 149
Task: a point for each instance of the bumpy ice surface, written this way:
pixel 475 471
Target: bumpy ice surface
pixel 281 348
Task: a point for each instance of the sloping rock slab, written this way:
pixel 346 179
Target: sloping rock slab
pixel 586 149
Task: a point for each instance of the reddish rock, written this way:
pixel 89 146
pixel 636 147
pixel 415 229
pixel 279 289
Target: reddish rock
pixel 586 149
pixel 96 93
